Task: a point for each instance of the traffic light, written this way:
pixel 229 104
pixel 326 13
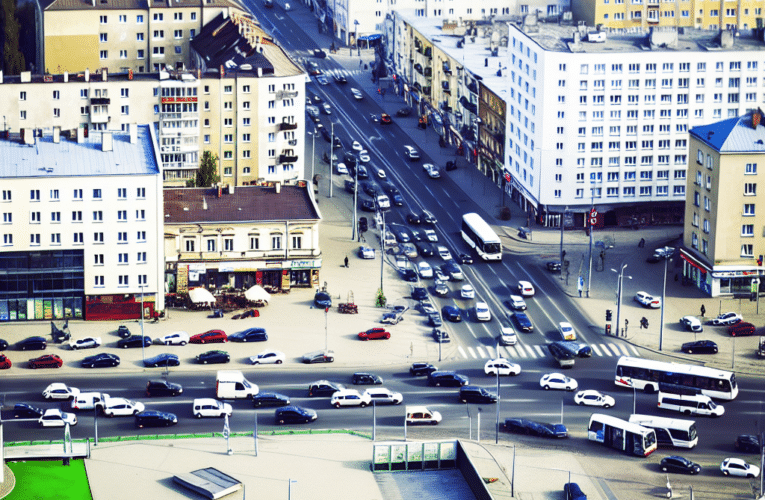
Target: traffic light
pixel 608 314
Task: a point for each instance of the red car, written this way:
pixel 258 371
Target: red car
pixel 374 333
pixel 385 119
pixel 5 363
pixel 46 361
pixel 209 337
pixel 740 329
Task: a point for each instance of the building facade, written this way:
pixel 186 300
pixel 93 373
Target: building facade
pixel 723 246
pixel 240 237
pixel 81 226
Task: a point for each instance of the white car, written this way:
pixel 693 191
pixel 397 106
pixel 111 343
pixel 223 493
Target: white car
pixel 482 312
pixel 380 173
pixel 507 336
pixel 729 318
pixel 381 395
pixel 121 407
pixel 341 169
pixel 356 146
pixel 175 338
pixel 647 300
pixel 467 292
pixel 425 270
pixel 209 407
pixel 409 250
pixel 566 331
pixel 365 158
pixel 517 303
pixel 594 398
pixel 444 253
pixel 421 415
pixel 54 417
pixel 432 171
pixel 86 343
pixel 692 324
pixel 526 289
pixel 357 94
pixel 738 467
pixel 411 153
pixel 558 381
pixel 501 366
pixel 57 390
pixel 350 397
pixel 431 235
pixel 268 357
pixel 366 252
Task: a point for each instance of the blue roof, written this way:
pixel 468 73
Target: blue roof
pixel 68 158
pixel 734 135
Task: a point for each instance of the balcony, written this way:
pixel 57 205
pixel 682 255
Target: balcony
pixel 287 126
pixel 445 87
pixel 288 158
pixel 473 87
pixel 100 100
pixel 447 69
pixel 286 94
pixel 428 72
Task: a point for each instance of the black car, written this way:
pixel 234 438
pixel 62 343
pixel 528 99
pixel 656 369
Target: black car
pixel 428 218
pixel 419 293
pixel 654 259
pixel 366 379
pixel 413 218
pixel 421 368
pixel 322 300
pixel 397 199
pixel 674 463
pixel 250 335
pixel 319 53
pixel 32 344
pixel 475 394
pixel 213 357
pixel 408 275
pixel 153 418
pixel 340 79
pixel 523 322
pixel 447 379
pixel 370 188
pixel 162 388
pixel 23 410
pixel 164 359
pixel 418 235
pixel 440 336
pixel 553 266
pixel 323 388
pixel 100 360
pixel 134 341
pixel 700 347
pixel 350 160
pixel 425 249
pixel 3 345
pixel 362 173
pixel 367 204
pixel 390 189
pixel 747 443
pixel 541 429
pixel 262 399
pixel 325 134
pixel 294 415
pixel 123 332
pixel 464 258
pixel 350 185
pixel 404 112
pixel 452 313
pixel 338 144
pixel 434 320
pixel 363 225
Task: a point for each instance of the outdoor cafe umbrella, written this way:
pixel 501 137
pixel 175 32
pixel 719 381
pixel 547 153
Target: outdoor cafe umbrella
pixel 201 295
pixel 256 293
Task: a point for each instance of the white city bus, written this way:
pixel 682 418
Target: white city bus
pixel 621 435
pixel 675 432
pixel 647 374
pixel 479 235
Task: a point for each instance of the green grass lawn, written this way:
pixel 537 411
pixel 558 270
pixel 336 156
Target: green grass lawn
pixel 44 480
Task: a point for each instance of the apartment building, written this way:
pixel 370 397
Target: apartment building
pixel 124 35
pixel 642 15
pixel 601 123
pixel 240 237
pixel 81 227
pixel 723 243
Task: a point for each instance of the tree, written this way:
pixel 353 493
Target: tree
pixel 207 175
pixel 13 59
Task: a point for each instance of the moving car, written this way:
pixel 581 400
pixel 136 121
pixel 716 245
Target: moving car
pixel 357 94
pixel 324 388
pixel 411 153
pixel 452 313
pixel 467 292
pixel 381 395
pixel 523 322
pixel 517 303
pixel 440 336
pixel 424 269
pixel 566 331
pixel 100 360
pixel 443 252
pixel 553 266
pixel 700 347
pixel 747 443
pixel 209 337
pixel 54 417
pixel 153 418
pixel 32 344
pixel 86 343
pixel 209 407
pixel 257 334
pixel 432 171
pixel 362 378
pixel 425 249
pixel 57 390
pixel 440 288
pixel 175 338
pixel 404 112
pixel 412 218
pixel 349 397
pixel 464 258
pixel 134 341
pixel 507 335
pixel 591 397
pixel 691 323
pixel 374 334
pixel 162 388
pixel 385 119
pixel 422 368
pixel 164 359
pixel 3 344
pixel 431 235
pixel 319 357
pixel 416 415
pixel 738 467
pixel 409 250
pixel 46 361
pixel 674 463
pixel 502 367
pixel 322 300
pixel 453 270
pixel 23 410
pixel 340 79
pixel 366 253
pixel 447 379
pixel 262 399
pixel 647 300
pixel 558 381
pixel 530 427
pixel 482 312
pixel 121 407
pixel 475 394
pixel 729 318
pixel 5 362
pixel 213 357
pixel 123 332
pixel 572 491
pixel 292 414
pixel 434 320
pixel 428 218
pixel 525 288
pixel 268 357
pixel 741 329
pixel 419 293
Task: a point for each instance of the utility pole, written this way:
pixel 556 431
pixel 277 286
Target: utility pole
pixel 562 219
pixel 593 221
pixel 663 298
pixel 331 158
pixel 355 203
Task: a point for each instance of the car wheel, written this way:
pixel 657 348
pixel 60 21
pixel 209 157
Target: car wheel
pixel 74 347
pixel 124 346
pixel 329 360
pixel 750 476
pixel 278 361
pixel 198 415
pixel 280 422
pixel 32 366
pixel 606 406
pixel 579 403
pixel 135 412
pixel 337 405
pixel 664 469
pixel 114 363
pixel 183 343
pixel 110 415
pixel 204 362
pixel 547 387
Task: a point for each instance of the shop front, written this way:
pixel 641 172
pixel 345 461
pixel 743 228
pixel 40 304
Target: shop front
pixel 735 281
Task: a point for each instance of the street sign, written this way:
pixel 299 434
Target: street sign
pixel 580 283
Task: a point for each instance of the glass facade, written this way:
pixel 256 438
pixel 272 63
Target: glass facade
pixel 41 285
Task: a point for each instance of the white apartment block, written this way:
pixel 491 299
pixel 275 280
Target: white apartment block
pixel 82 226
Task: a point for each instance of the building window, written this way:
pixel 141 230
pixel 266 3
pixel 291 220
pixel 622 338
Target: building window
pixel 98 237
pixel 228 244
pixel 121 215
pixel 98 216
pixel 34 239
pixel 141 193
pixel 747 250
pixel 189 245
pixel 141 257
pixel 751 169
pixel 123 280
pixel 254 243
pixel 55 217
pixel 122 258
pixel 99 281
pixel 748 209
pixel 750 189
pixel 297 242
pixel 141 236
pixel 140 214
pixel 747 230
pixel 122 237
pixel 276 242
pixel 79 238
pixel 55 239
pixel 211 244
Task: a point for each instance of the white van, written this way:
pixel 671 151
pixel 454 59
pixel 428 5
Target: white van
pixel 690 403
pixel 383 201
pixel 89 401
pixel 231 384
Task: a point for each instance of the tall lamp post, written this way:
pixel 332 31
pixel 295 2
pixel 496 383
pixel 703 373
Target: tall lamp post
pixel 143 343
pixel 562 225
pixel 383 230
pixel 313 150
pixel 355 223
pixel 663 296
pixel 619 295
pixel 356 37
pixel 331 156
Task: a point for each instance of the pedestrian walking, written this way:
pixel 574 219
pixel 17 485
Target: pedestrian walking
pixel 361 63
pixel 346 261
pixel 703 310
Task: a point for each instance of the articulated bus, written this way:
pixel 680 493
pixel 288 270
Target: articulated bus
pixel 621 435
pixel 675 432
pixel 646 375
pixel 479 235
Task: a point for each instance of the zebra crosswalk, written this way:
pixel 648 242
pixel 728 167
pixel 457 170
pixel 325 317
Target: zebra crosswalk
pixel 525 351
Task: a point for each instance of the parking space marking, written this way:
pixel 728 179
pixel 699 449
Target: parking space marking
pixel 596 350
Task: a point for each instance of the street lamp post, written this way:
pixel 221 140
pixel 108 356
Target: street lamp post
pixel 383 230
pixel 331 156
pixel 663 296
pixel 619 295
pixel 356 37
pixel 496 429
pixel 355 223
pixel 562 219
pixel 143 343
pixel 313 151
pixel 591 226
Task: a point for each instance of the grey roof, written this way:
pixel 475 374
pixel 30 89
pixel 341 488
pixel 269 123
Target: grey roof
pixel 209 482
pixel 220 43
pixel 144 5
pixel 734 135
pixel 246 204
pixel 69 158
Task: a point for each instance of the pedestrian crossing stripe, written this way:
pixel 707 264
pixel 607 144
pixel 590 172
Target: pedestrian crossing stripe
pixel 615 349
pixel 540 351
pixel 596 350
pixel 530 351
pixel 480 352
pixel 462 351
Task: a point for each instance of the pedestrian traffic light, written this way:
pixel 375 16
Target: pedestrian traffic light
pixel 608 315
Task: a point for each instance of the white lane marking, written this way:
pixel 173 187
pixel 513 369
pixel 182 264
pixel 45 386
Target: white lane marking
pixel 624 349
pixel 634 350
pixel 596 350
pixel 490 352
pixel 530 351
pixel 472 352
pixel 615 349
pixel 480 352
pixel 540 351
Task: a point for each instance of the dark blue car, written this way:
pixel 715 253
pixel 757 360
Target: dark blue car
pixel 294 415
pixel 523 322
pixel 249 335
pixel 541 429
pixel 101 360
pixel 134 341
pixel 32 344
pixel 164 359
pixel 322 300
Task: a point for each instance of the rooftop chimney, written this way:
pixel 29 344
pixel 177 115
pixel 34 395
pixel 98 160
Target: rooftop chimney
pixel 56 135
pixel 104 72
pixel 87 72
pixel 26 76
pixel 107 141
pixel 80 135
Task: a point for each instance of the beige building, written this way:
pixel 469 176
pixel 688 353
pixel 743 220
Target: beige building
pixel 122 35
pixel 723 239
pixel 645 14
